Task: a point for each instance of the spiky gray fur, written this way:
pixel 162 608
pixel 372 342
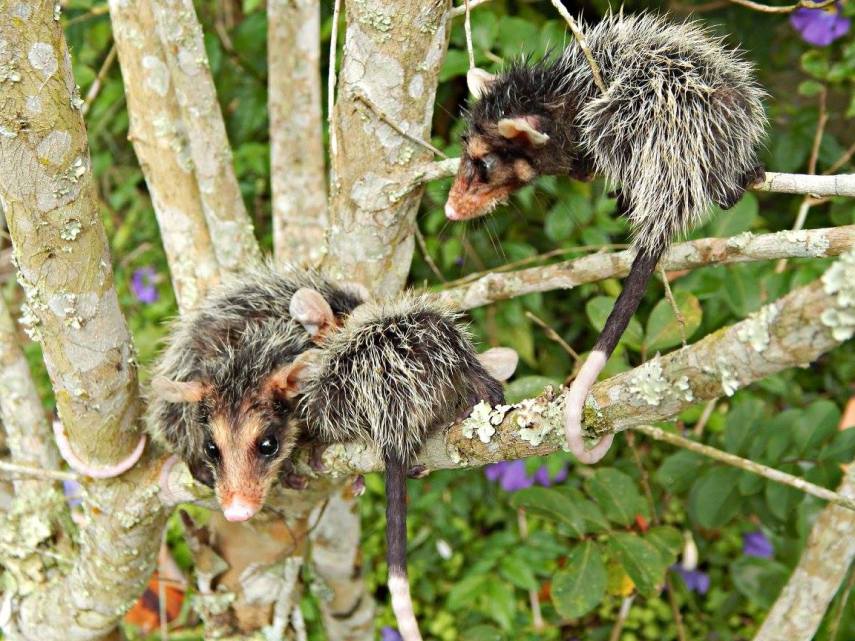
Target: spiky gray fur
pixel 677 128
pixel 241 333
pixel 393 372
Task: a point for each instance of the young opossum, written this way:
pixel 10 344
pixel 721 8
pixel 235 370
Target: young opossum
pixel 222 398
pixel 676 129
pixel 393 372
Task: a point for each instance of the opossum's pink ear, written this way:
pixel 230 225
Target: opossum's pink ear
pixel 313 312
pixel 479 82
pixel 179 391
pixel 523 128
pixel 500 362
pixel 290 381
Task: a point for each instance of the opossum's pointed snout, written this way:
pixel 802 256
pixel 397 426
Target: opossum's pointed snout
pixel 451 212
pixel 238 509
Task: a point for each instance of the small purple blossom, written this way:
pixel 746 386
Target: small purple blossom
pixel 72 492
pixel 756 544
pixel 143 285
pixel 512 476
pixel 820 27
pixel 389 634
pixel 695 580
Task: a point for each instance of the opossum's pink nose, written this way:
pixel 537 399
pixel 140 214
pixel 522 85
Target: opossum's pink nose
pixel 451 212
pixel 239 510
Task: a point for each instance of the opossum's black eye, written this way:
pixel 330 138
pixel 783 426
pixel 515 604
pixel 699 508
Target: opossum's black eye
pixel 269 446
pixel 211 450
pixel 485 166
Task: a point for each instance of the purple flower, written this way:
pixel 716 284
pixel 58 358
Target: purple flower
pixel 756 544
pixel 71 489
pixel 820 27
pixel 512 476
pixel 389 634
pixel 143 285
pixel 695 580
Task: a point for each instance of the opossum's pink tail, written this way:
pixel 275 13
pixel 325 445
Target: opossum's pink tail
pixel 396 547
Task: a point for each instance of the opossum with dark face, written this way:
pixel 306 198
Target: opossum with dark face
pixel 393 372
pixel 677 129
pixel 222 395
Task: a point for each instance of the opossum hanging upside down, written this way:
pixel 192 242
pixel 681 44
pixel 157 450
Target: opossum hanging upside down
pixel 676 128
pixel 274 356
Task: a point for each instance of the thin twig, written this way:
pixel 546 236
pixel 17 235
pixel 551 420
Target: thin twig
pixel 750 466
pixel 382 116
pixel 808 201
pixel 37 472
pixel 583 44
pixel 534 601
pixel 705 417
pixel 467 27
pixel 420 240
pixel 95 87
pixel 552 334
pixel 785 9
pixel 331 78
pixel 681 320
pixel 617 628
pixel 844 158
pixel 461 10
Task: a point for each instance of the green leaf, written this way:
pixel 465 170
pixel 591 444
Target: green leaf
pixel 617 495
pixel 679 471
pixel 641 561
pixel 759 580
pixel 815 62
pixel 483 633
pixel 714 498
pixel 598 310
pixel 668 542
pixel 456 64
pixel 737 219
pixel 580 586
pixel 663 329
pixel 551 504
pixel 741 424
pixel 466 591
pixel 558 225
pixel 782 500
pixel 518 572
pixel 500 596
pixel 817 425
pixel 810 88
pixel 841 449
pixel 528 387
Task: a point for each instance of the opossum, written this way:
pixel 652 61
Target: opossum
pixel 677 129
pixel 220 397
pixel 389 375
pixel 270 358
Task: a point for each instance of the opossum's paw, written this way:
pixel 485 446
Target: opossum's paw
pixel 357 486
pixel 316 457
pixel 294 481
pixel 418 471
pixel 289 477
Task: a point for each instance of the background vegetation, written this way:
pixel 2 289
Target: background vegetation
pixel 477 553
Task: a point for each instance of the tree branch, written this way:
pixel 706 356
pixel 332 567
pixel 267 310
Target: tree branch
pixel 822 567
pixel 392 57
pixel 187 65
pixel 161 144
pixel 28 434
pixel 791 332
pixel 296 142
pixel 64 266
pixel 839 185
pixel 814 243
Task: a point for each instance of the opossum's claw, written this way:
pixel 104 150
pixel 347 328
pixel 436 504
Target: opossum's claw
pixel 418 471
pixel 316 457
pixel 294 481
pixel 357 486
pixel 86 469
